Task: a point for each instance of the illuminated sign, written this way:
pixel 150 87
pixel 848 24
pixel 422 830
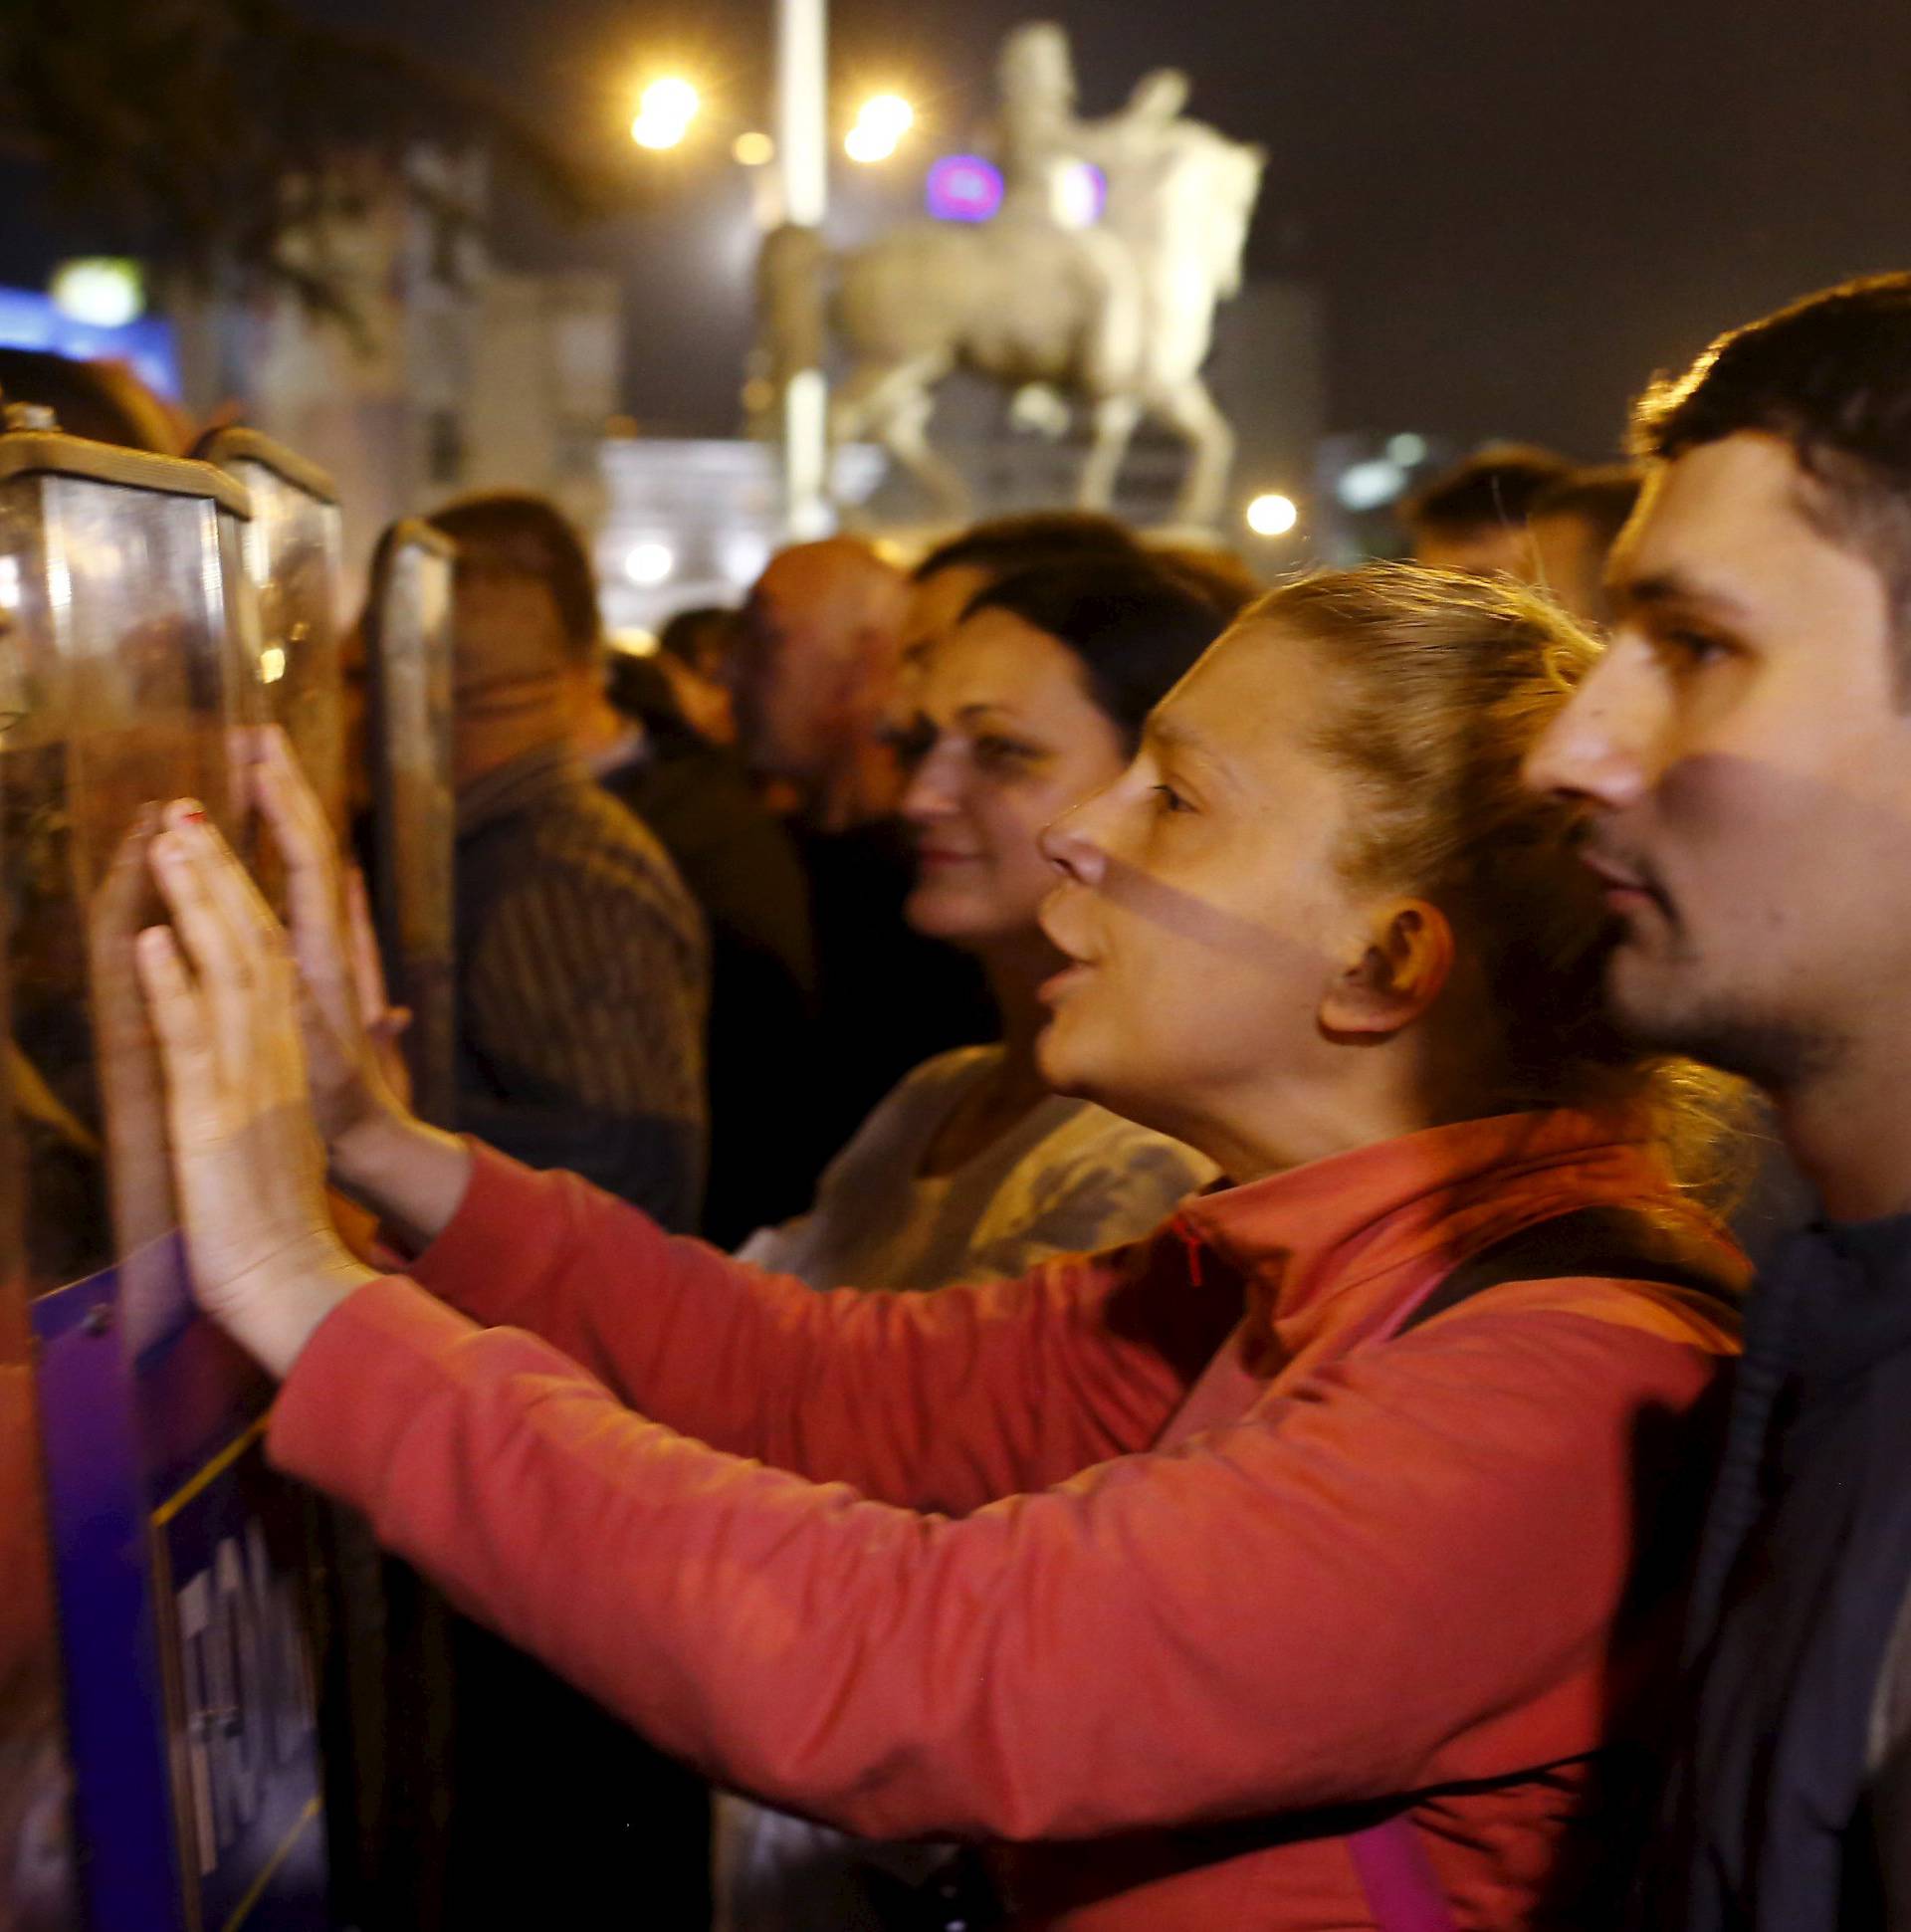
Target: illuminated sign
pixel 1080 193
pixel 963 187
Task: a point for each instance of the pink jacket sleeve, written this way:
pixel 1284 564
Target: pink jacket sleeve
pixel 1341 1595
pixel 945 1401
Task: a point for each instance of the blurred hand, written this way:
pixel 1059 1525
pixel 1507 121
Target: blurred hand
pixel 248 1165
pixel 350 1029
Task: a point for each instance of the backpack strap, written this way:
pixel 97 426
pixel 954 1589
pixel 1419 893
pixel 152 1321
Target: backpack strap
pixel 1398 1877
pixel 1613 1243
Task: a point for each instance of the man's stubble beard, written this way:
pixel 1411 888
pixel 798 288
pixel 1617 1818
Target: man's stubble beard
pixel 1675 1014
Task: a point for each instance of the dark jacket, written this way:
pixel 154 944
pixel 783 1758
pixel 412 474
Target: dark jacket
pixel 582 988
pixel 742 868
pixel 582 984
pixel 1786 1814
pixel 891 998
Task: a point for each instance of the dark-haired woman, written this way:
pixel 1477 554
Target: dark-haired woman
pixel 974 1169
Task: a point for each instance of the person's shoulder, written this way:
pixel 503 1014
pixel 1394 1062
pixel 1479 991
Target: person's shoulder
pixel 1090 1182
pixel 586 833
pixel 1091 1139
pixel 890 1139
pixel 941 1077
pixel 1626 1313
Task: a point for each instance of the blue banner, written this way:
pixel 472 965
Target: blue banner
pixel 178 1576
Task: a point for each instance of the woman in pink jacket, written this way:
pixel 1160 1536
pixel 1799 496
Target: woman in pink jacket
pixel 1314 1563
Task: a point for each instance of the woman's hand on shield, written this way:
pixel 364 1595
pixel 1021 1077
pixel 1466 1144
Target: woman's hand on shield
pixel 412 1176
pixel 351 1029
pixel 222 989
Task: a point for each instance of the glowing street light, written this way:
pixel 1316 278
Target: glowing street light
pixel 649 563
pixel 665 112
pixel 888 111
pixel 880 126
pixel 1272 514
pixel 102 290
pixel 753 149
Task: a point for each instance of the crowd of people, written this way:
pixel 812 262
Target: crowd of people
pixel 1120 1253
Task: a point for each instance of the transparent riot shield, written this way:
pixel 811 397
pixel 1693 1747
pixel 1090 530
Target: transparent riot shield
pixel 292 553
pixel 38 1875
pixel 175 1556
pixel 408 660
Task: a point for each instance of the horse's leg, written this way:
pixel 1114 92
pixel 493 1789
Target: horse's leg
pixel 1192 412
pixel 849 419
pixel 1116 419
pixel 897 408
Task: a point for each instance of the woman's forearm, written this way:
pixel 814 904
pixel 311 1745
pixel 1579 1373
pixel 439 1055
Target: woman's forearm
pixel 412 1177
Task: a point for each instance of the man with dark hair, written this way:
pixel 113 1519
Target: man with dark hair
pixel 693 650
pixel 1744 755
pixel 1572 527
pixel 1473 517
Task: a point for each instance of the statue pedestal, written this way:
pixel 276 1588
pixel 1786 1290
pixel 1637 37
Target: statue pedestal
pixel 694 521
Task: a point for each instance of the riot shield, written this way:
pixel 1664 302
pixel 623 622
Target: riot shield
pixel 292 549
pixel 38 1875
pixel 408 652
pixel 175 1556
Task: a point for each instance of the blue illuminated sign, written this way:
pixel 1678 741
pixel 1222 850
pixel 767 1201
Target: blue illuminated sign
pixel 963 187
pixel 29 320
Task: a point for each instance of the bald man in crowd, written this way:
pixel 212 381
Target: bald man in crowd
pixel 814 672
pixel 812 676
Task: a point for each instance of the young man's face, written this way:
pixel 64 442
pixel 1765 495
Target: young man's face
pixel 1745 759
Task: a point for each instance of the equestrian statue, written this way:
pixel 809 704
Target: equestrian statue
pixel 1111 308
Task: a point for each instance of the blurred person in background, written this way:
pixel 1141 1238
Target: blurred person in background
pixel 1472 517
pixel 103 400
pixel 950 578
pixel 974 1169
pixel 694 651
pixel 1571 526
pixel 582 993
pixel 815 672
pixel 811 675
pixel 947 580
pixel 741 864
pixel 1214 571
pixel 582 968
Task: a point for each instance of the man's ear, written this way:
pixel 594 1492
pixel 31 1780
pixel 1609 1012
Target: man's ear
pixel 1401 973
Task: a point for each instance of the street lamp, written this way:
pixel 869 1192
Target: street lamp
pixel 879 129
pixel 796 185
pixel 803 168
pixel 1272 514
pixel 665 112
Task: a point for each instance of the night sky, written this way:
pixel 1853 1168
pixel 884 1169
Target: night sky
pixel 1515 211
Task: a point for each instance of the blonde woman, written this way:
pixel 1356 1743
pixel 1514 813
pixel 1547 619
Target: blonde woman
pixel 1314 1563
